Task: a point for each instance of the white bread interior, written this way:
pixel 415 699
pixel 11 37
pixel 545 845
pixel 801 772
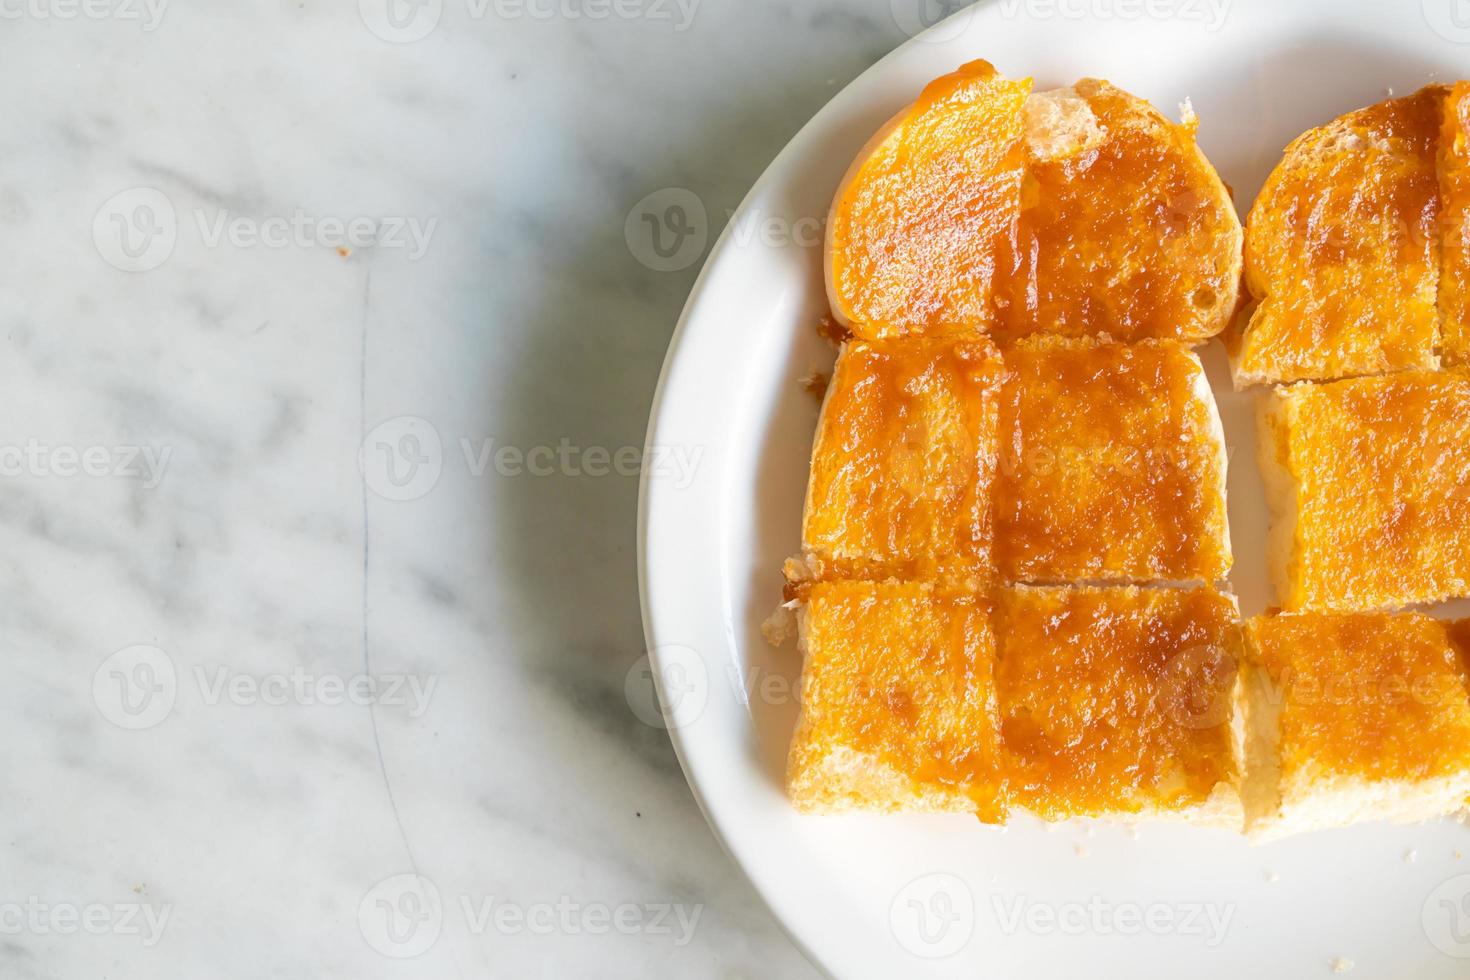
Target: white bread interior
pixel 1216 433
pixel 1282 490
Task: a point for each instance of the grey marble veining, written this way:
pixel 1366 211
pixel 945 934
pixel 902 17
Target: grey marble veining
pixel 244 244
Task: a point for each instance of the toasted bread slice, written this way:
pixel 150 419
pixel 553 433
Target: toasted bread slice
pixel 904 462
pixel 1342 249
pixel 1125 230
pixel 1351 717
pixel 1120 702
pixel 1454 223
pixel 985 208
pixel 1112 465
pixel 919 220
pixel 897 702
pixel 1369 483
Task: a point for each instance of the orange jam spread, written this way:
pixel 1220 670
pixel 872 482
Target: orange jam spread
pixel 1342 248
pixel 904 461
pixel 916 227
pixel 1115 700
pixel 1454 192
pixel 902 673
pixel 1127 231
pixel 1371 695
pixel 1110 466
pixel 1382 490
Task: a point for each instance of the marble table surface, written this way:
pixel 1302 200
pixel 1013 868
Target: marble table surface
pixel 331 332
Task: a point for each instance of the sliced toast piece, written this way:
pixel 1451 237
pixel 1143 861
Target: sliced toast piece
pixel 918 222
pixel 1342 249
pixel 984 208
pixel 897 702
pixel 1454 223
pixel 1112 465
pixel 1353 717
pixel 904 462
pixel 1126 230
pixel 1120 702
pixel 1369 484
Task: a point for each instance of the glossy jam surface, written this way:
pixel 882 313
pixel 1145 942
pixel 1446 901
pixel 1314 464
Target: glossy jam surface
pixel 1454 190
pixel 1127 232
pixel 902 673
pixel 915 232
pixel 1373 695
pixel 1112 700
pixel 1382 471
pixel 1109 465
pixel 904 461
pixel 1342 248
pixel 1078 213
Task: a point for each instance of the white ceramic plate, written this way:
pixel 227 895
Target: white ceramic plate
pixel 946 896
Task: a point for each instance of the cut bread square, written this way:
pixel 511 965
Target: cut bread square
pixel 1342 249
pixel 1369 483
pixel 1120 702
pixel 904 461
pixel 985 207
pixel 1352 717
pixel 897 701
pixel 1112 465
pixel 1454 223
pixel 1125 230
pixel 919 220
